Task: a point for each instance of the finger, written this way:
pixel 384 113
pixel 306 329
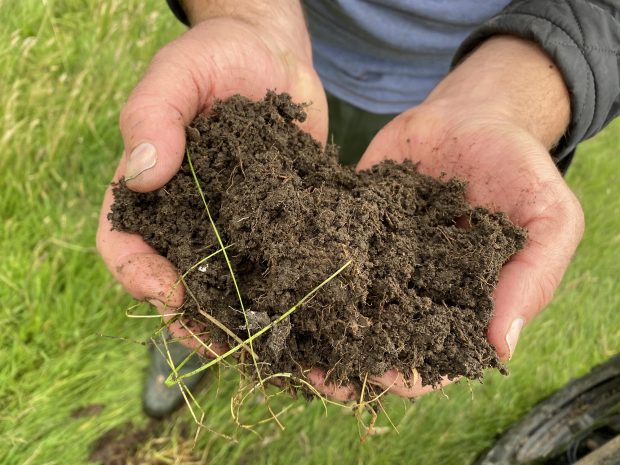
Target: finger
pixel 138 267
pixel 146 275
pixel 182 81
pixel 153 120
pixel 386 144
pixel 395 383
pixel 528 281
pixel 316 377
pixel 193 335
pixel 307 89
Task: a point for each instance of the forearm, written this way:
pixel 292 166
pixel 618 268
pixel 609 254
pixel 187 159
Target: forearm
pixel 512 79
pixel 282 16
pixel 583 38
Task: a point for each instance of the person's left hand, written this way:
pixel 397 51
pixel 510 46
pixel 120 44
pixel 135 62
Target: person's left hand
pixel 507 165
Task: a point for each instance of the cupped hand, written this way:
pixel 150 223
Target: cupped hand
pixel 498 142
pixel 215 59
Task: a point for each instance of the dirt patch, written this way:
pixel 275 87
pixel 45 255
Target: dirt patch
pixel 155 443
pixel 119 446
pixel 87 411
pixel 416 295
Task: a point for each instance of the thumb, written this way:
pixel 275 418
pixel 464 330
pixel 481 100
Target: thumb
pixel 153 120
pixel 528 281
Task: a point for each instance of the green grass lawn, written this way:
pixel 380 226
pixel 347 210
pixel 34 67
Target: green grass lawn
pixel 67 66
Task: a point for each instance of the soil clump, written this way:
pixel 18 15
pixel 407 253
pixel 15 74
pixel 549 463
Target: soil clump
pixel 417 294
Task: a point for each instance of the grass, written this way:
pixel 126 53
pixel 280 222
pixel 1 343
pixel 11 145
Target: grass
pixel 67 67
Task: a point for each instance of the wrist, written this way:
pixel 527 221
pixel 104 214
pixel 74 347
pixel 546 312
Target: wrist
pixel 282 19
pixel 509 80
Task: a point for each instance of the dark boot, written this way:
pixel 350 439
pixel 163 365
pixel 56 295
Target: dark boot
pixel 159 400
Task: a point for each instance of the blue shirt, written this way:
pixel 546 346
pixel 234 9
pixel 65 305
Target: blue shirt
pixel 385 56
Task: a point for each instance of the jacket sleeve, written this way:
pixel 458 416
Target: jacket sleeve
pixel 177 9
pixel 583 38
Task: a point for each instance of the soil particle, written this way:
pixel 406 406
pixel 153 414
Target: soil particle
pixel 416 295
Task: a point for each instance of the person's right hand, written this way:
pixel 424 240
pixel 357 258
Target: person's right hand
pixel 217 58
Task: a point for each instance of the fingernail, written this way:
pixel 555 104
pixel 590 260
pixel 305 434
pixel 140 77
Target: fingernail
pixel 142 158
pixel 512 336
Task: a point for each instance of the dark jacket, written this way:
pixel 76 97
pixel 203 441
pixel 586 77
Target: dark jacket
pixel 583 38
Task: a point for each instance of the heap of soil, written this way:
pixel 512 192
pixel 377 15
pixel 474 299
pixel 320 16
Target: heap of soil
pixel 417 294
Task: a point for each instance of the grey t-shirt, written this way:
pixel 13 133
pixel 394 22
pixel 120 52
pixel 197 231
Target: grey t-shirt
pixel 386 55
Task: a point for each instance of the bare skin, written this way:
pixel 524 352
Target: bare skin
pixel 491 121
pixel 222 55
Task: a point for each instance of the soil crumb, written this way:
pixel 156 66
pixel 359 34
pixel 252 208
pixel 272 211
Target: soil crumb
pixel 417 294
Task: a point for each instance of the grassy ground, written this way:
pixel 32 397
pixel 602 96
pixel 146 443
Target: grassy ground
pixel 67 67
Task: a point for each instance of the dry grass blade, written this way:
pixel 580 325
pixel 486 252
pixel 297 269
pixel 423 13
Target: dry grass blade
pixel 263 330
pixel 228 263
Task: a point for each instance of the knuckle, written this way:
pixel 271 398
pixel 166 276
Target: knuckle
pixel 125 115
pixel 133 113
pixel 166 56
pixel 563 207
pixel 545 288
pixel 570 212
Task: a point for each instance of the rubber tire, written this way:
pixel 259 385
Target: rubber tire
pixel 555 431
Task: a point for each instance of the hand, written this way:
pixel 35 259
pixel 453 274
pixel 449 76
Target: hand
pixel 486 124
pixel 239 49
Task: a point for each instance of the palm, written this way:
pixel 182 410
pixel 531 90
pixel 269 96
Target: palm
pixel 507 169
pixel 222 57
pixel 249 63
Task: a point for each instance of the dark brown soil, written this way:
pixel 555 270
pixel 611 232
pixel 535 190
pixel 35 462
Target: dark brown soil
pixel 90 410
pixel 416 295
pixel 118 446
pixel 155 443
